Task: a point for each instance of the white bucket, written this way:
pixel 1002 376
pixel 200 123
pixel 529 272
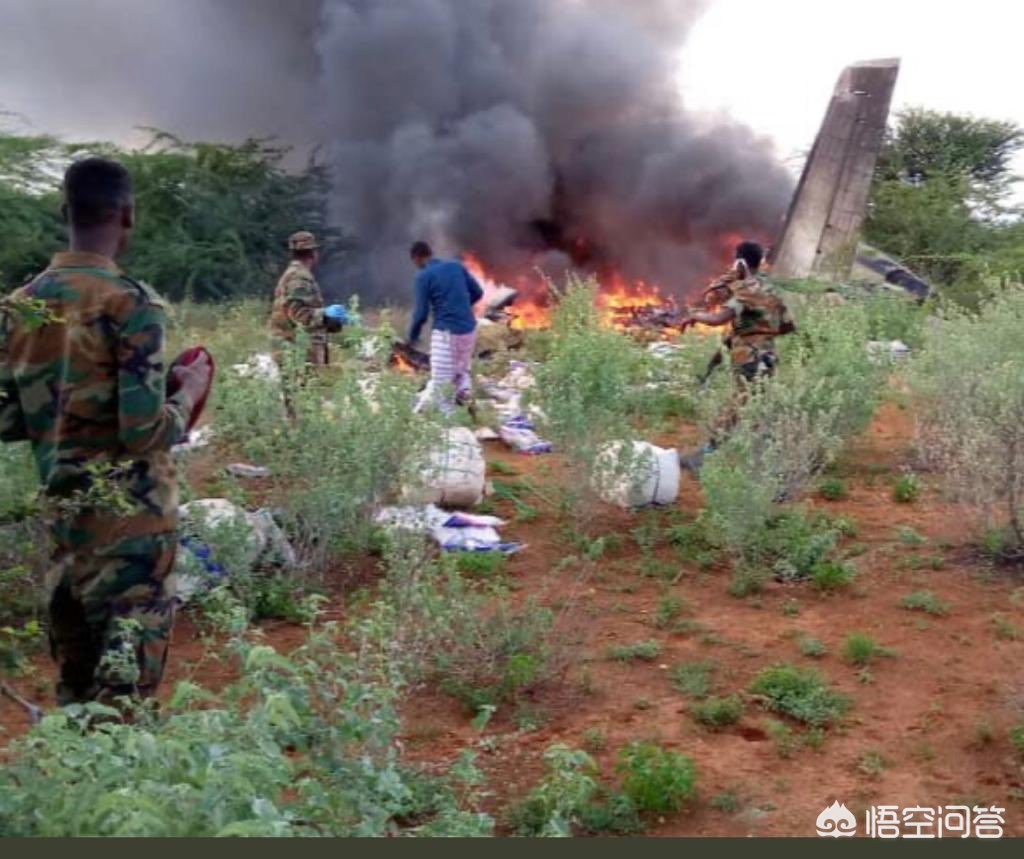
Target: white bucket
pixel 652 476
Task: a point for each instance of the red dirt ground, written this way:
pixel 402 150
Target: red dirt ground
pixel 922 710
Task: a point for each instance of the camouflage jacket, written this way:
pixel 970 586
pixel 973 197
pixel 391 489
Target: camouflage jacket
pixel 759 317
pixel 299 304
pixel 87 390
pixel 720 290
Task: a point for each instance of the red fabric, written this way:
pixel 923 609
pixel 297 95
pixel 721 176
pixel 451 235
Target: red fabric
pixel 187 359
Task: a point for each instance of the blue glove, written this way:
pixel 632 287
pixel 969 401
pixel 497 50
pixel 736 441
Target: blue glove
pixel 337 312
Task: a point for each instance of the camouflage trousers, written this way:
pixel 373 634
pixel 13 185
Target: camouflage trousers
pixel 295 376
pixel 111 611
pixel 751 368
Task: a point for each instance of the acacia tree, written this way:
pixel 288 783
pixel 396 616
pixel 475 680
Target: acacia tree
pixel 213 218
pixel 939 201
pixel 924 145
pixel 30 224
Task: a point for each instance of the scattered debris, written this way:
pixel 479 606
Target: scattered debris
pixel 35 714
pixel 496 299
pixel 261 539
pixel 452 531
pixel 409 358
pixel 663 349
pixel 241 469
pixel 519 434
pixel 883 351
pixel 496 336
pixel 259 366
pixel 197 439
pixel 644 476
pixel 453 472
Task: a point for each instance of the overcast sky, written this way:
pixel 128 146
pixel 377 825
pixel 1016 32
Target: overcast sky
pixel 961 57
pixel 770 63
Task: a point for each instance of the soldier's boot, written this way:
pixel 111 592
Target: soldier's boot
pixel 693 462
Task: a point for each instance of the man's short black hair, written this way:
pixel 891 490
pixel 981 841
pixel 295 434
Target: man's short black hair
pixel 420 249
pixel 751 253
pixel 95 191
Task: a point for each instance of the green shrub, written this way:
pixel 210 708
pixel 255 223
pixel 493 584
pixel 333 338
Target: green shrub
pixel 727 802
pixel 569 800
pixel 669 610
pixel 495 658
pixel 481 565
pixel 719 712
pixel 906 490
pixel 786 741
pixel 833 489
pixel 640 651
pixel 1004 629
pixel 860 649
pixel 797 543
pixel 910 537
pixel 925 601
pixel 615 815
pixel 656 779
pixel 351 448
pixel 298 745
pixel 895 317
pixel 558 802
pixel 1017 740
pixel 747 580
pixel 693 679
pixel 473 644
pixel 595 740
pixel 968 383
pixel 18 644
pixel 832 575
pixel 872 764
pixel 800 694
pixel 813 647
pixel 824 393
pixel 692 544
pixel 24 547
pixel 585 389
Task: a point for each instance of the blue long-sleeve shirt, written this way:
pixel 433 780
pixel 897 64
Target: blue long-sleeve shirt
pixel 446 289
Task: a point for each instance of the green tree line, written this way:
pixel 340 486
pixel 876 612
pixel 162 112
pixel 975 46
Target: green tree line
pixel 213 218
pixel 940 201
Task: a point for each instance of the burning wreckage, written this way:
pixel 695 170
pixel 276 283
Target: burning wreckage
pixel 506 313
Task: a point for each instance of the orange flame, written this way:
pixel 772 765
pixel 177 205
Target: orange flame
pixel 402 365
pixel 622 303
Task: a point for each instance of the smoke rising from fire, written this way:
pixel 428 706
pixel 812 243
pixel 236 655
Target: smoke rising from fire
pixel 529 132
pixel 534 131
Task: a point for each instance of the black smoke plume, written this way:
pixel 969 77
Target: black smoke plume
pixel 536 131
pixel 529 132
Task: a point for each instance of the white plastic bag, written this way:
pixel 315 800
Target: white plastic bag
pixel 197 565
pixel 454 472
pixel 644 476
pixel 259 366
pixel 886 351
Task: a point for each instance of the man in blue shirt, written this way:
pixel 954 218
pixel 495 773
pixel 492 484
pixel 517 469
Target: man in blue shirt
pixel 447 291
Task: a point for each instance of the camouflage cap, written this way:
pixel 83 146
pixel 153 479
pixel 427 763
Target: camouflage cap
pixel 302 241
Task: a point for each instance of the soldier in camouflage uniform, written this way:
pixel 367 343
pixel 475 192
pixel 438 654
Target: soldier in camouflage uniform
pixel 87 389
pixel 755 316
pixel 299 306
pixel 298 302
